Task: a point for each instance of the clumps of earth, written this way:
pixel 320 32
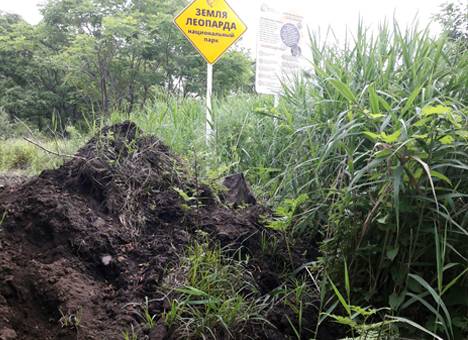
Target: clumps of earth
pixel 103 231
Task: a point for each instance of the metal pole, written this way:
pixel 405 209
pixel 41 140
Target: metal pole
pixel 277 99
pixel 209 93
pixel 275 105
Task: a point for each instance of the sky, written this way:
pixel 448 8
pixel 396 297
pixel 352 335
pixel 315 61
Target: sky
pixel 338 14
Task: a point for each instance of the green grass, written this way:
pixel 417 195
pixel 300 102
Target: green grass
pixel 216 299
pixel 22 157
pixel 379 144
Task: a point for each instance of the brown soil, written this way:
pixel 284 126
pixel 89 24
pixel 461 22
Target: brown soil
pixel 91 239
pixel 7 179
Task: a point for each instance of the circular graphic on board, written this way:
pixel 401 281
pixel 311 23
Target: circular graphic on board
pixel 296 51
pixel 290 35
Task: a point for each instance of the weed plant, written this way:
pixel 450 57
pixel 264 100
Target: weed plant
pixel 217 299
pixel 379 145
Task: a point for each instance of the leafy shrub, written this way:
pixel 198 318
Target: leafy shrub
pixel 379 146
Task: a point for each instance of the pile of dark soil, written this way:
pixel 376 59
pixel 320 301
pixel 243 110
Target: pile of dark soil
pixel 102 231
pixel 10 180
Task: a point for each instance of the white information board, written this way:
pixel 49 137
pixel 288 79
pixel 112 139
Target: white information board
pixel 279 49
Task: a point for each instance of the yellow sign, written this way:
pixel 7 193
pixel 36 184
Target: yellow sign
pixel 212 27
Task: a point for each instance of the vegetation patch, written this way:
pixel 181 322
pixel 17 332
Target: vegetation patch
pixel 218 296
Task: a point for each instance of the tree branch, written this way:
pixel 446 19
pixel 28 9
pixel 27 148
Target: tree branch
pixel 51 152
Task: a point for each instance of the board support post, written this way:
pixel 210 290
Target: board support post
pixel 276 100
pixel 209 93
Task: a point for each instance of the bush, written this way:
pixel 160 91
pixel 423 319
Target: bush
pixel 379 144
pixel 7 127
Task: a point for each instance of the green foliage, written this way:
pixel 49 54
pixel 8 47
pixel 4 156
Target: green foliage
pixel 297 298
pixel 7 130
pixel 218 298
pixel 361 320
pixel 379 146
pixel 102 56
pixel 70 320
pixel 285 213
pixel 129 335
pixel 30 81
pixel 233 73
pixel 148 318
pixel 19 155
pixel 177 121
pixel 453 17
pixel 283 221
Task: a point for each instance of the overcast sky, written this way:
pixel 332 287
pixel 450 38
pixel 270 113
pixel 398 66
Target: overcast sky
pixel 338 14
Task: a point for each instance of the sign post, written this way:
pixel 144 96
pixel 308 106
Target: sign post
pixel 276 100
pixel 209 93
pixel 212 27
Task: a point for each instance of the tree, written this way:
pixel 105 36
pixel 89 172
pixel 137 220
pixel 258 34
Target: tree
pixel 124 47
pixel 30 81
pixel 454 20
pixel 103 55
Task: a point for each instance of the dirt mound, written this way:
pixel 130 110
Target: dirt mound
pixel 82 242
pixel 7 180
